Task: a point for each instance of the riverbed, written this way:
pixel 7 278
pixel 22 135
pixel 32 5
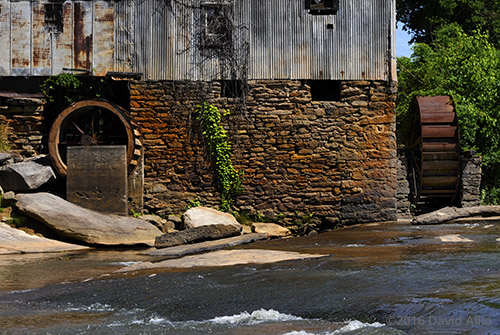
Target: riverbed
pixel 371 279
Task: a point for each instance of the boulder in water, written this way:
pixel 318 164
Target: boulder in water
pixel 203 216
pixel 272 229
pixel 83 224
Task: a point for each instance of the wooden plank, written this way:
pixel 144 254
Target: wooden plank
pixel 440 165
pixel 5 60
pixel 440 147
pixel 441 181
pixel 437 192
pixel 438 117
pixel 434 156
pixel 440 173
pixel 433 101
pixel 21 38
pixel 439 131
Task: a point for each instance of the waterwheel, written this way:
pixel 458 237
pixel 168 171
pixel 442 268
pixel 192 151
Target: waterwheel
pixel 436 153
pixel 90 123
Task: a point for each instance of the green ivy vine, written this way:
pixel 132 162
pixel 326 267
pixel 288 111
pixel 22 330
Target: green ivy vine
pixel 228 178
pixel 69 88
pixel 68 82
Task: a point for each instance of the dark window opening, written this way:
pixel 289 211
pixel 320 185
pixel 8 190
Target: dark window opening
pixel 325 90
pixel 231 89
pixel 54 17
pixel 216 25
pixel 322 7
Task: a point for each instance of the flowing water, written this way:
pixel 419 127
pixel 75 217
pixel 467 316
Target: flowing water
pixel 375 279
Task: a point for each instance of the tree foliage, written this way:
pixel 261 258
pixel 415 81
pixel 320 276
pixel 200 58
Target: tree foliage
pixel 467 67
pixel 423 17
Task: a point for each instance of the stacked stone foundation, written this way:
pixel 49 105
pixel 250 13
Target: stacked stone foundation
pixel 334 159
pixel 23 118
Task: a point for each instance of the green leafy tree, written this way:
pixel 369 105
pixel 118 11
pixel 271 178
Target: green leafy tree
pixel 467 67
pixel 423 17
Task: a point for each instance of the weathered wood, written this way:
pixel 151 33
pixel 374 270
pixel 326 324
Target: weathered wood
pixel 450 213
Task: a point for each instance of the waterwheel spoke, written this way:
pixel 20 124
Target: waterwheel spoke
pixel 79 129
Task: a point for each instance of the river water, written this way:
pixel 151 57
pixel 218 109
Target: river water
pixel 375 279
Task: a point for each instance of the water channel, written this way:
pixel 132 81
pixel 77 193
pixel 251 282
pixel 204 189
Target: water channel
pixel 371 279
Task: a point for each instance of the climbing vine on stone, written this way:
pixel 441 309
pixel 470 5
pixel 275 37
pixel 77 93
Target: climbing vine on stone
pixel 229 179
pixel 67 82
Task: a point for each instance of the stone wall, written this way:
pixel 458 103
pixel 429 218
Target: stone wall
pixel 336 159
pixel 24 118
pixel 471 180
pixel 403 191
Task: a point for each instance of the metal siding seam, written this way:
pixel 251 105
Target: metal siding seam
pixel 10 38
pixel 31 38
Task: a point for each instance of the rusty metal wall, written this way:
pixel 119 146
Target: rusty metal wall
pixel 160 39
pixel 32 47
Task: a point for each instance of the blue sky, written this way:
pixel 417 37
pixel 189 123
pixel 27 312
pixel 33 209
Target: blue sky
pixel 402 38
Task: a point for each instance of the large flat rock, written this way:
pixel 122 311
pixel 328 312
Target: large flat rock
pixel 15 241
pixel 447 214
pixel 85 225
pixel 206 246
pixel 224 258
pixel 197 234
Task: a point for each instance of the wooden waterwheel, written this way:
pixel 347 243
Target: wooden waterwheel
pixel 91 123
pixel 436 155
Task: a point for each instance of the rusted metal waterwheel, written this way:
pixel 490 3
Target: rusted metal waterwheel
pixel 90 123
pixel 436 154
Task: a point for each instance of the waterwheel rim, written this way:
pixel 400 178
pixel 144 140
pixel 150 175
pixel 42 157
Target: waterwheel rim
pixel 437 151
pixel 109 125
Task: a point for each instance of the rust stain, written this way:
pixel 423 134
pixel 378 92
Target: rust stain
pixel 103 42
pixel 82 44
pixel 20 32
pixel 41 45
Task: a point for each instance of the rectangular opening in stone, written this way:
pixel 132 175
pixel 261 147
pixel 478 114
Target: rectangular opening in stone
pixel 325 90
pixel 231 88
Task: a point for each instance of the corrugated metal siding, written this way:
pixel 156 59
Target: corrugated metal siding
pixel 5 38
pixel 124 57
pixel 286 42
pixel 162 42
pixel 32 48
